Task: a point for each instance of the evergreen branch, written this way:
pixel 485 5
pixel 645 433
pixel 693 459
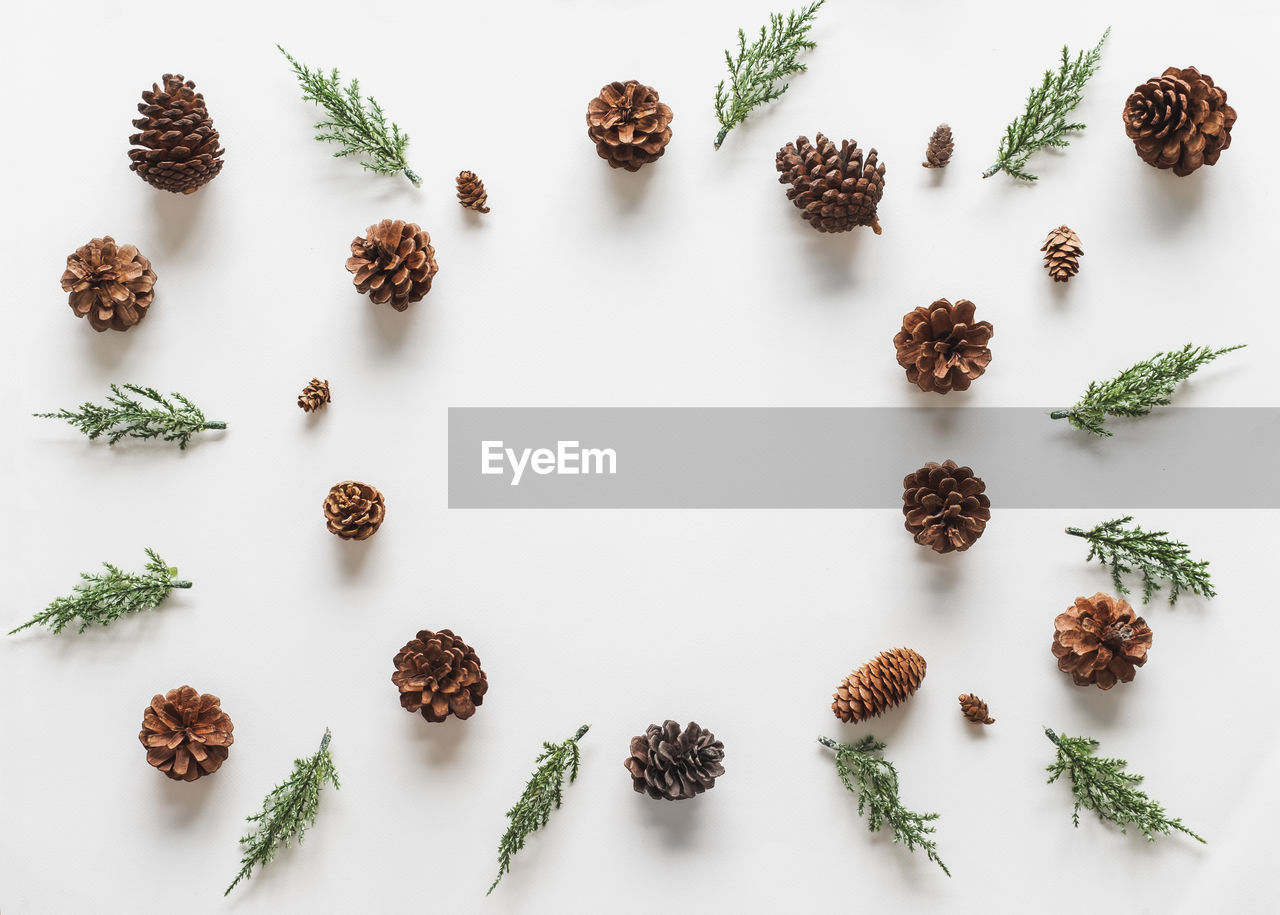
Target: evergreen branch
pixel 1138 389
pixel 103 598
pixel 874 779
pixel 755 72
pixel 1044 123
pixel 288 811
pixel 124 416
pixel 541 795
pixel 1102 785
pixel 360 128
pixel 1154 553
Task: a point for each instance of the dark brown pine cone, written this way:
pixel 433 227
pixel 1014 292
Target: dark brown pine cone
pixel 439 675
pixel 945 506
pixel 393 262
pixel 1179 120
pixel 938 153
pixel 353 510
pixel 877 686
pixel 111 285
pixel 186 733
pixel 1100 641
pixel 674 765
pixel 471 192
pixel 314 396
pixel 628 124
pixel 974 709
pixel 179 145
pixel 941 346
pixel 835 188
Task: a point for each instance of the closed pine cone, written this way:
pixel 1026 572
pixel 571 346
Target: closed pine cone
pixel 938 152
pixel 1179 120
pixel 439 675
pixel 941 346
pixel 836 189
pixel 314 396
pixel 471 192
pixel 393 262
pixel 353 510
pixel 1062 253
pixel 186 733
pixel 629 125
pixel 975 709
pixel 877 686
pixel 945 506
pixel 1100 640
pixel 179 145
pixel 111 285
pixel 674 765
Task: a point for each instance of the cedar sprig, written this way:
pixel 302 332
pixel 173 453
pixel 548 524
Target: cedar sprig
pixel 542 794
pixel 1154 553
pixel 288 811
pixel 874 779
pixel 1138 389
pixel 361 128
pixel 125 416
pixel 1102 785
pixel 103 598
pixel 1044 122
pixel 755 73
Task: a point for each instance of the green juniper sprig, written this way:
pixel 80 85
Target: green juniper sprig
pixel 1138 389
pixel 124 416
pixel 1044 123
pixel 103 598
pixel 541 795
pixel 755 72
pixel 1154 553
pixel 361 129
pixel 1101 784
pixel 873 778
pixel 288 810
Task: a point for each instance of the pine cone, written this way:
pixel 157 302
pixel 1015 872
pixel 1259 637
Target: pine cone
pixel 394 262
pixel 628 124
pixel 835 188
pixel 975 709
pixel 675 765
pixel 1179 120
pixel 945 506
pixel 1062 253
pixel 1100 640
pixel 314 396
pixel 941 346
pixel 111 285
pixel 877 686
pixel 439 675
pixel 938 153
pixel 180 151
pixel 354 511
pixel 471 192
pixel 186 733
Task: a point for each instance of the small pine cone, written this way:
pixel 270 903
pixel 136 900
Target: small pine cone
pixel 836 188
pixel 941 346
pixel 675 765
pixel 1179 120
pixel 975 709
pixel 179 145
pixel 1062 253
pixel 1099 640
pixel 877 686
pixel 628 124
pixel 186 733
pixel 111 285
pixel 439 675
pixel 938 153
pixel 314 396
pixel 393 262
pixel 946 507
pixel 354 511
pixel 471 192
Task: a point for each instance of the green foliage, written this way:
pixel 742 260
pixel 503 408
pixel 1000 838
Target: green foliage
pixel 1044 123
pixel 755 72
pixel 361 129
pixel 124 416
pixel 1138 389
pixel 1102 785
pixel 541 795
pixel 874 779
pixel 1154 553
pixel 287 811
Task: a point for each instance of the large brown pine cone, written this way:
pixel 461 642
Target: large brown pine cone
pixel 945 506
pixel 877 686
pixel 439 675
pixel 628 124
pixel 111 285
pixel 186 733
pixel 941 346
pixel 1179 120
pixel 1062 253
pixel 180 151
pixel 354 510
pixel 835 188
pixel 393 262
pixel 674 765
pixel 1100 640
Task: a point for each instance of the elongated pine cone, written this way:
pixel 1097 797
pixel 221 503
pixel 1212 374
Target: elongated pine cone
pixel 439 675
pixel 1179 120
pixel 938 152
pixel 975 709
pixel 111 285
pixel 179 145
pixel 1062 253
pixel 354 511
pixel 941 346
pixel 945 506
pixel 629 125
pixel 1100 640
pixel 877 686
pixel 314 396
pixel 674 765
pixel 186 733
pixel 836 189
pixel 393 262
pixel 471 192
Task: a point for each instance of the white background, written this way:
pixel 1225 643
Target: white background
pixel 693 282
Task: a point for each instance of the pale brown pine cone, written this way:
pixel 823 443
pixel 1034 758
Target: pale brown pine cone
pixel 877 686
pixel 314 396
pixel 439 675
pixel 471 192
pixel 186 733
pixel 942 348
pixel 353 510
pixel 1062 253
pixel 975 709
pixel 1100 641
pixel 111 285
pixel 393 262
pixel 629 125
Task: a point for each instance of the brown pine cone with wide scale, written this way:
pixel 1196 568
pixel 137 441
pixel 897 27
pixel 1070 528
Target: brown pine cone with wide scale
pixel 439 675
pixel 1179 120
pixel 111 285
pixel 353 510
pixel 836 189
pixel 674 765
pixel 938 153
pixel 179 145
pixel 471 192
pixel 942 347
pixel 877 686
pixel 314 396
pixel 186 733
pixel 945 506
pixel 629 125
pixel 1062 253
pixel 1100 641
pixel 393 262
pixel 974 709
